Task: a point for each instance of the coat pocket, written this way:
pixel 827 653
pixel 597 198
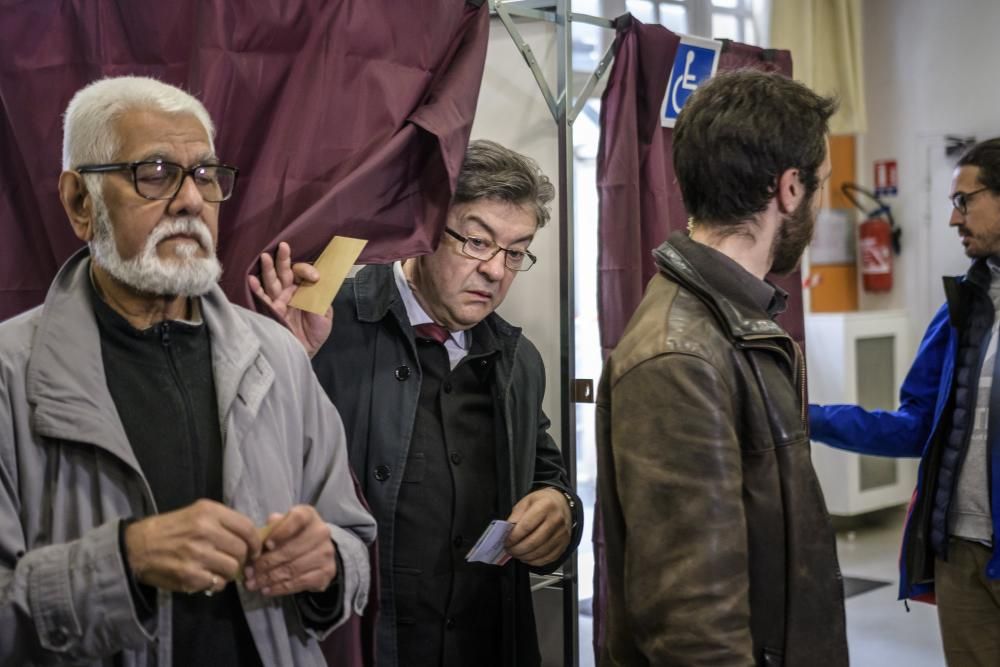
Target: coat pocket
pixel 416 466
pixel 405 589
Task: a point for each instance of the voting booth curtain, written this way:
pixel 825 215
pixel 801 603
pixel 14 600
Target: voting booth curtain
pixel 640 201
pixel 347 117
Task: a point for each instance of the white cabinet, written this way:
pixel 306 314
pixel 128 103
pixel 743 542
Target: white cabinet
pixel 859 358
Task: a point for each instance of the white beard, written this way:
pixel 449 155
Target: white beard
pixel 186 275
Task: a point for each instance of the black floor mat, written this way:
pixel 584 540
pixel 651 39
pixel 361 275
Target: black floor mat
pixel 856 585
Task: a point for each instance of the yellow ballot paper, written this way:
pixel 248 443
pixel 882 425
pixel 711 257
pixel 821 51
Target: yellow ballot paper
pixel 263 532
pixel 337 259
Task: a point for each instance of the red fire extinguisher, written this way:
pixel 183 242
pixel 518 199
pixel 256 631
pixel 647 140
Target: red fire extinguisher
pixel 878 240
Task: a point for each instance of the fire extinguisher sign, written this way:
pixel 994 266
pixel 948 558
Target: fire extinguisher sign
pixel 885 178
pixel 875 244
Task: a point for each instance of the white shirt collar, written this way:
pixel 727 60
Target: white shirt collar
pixel 415 312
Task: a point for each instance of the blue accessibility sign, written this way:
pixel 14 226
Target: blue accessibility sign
pixel 695 63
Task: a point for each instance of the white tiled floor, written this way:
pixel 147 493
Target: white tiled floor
pixel 880 632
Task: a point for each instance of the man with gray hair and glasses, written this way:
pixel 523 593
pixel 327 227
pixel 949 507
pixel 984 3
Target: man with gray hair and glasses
pixel 442 404
pixel 174 482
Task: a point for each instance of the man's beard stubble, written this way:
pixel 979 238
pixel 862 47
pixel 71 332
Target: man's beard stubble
pixel 794 234
pixel 146 272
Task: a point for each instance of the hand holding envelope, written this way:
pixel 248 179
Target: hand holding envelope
pixel 543 527
pixel 300 295
pixel 337 259
pixel 537 531
pixel 298 555
pixel 262 533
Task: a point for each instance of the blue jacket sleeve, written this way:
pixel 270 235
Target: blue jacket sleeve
pixel 902 432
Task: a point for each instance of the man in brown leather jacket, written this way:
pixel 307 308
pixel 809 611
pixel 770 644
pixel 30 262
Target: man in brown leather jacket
pixel 719 547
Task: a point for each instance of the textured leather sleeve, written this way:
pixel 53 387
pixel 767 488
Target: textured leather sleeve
pixel 678 476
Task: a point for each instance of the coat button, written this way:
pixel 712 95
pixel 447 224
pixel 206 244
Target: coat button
pixel 382 473
pixel 456 457
pixel 402 373
pixel 449 623
pixel 458 541
pixel 59 636
pixel 447 387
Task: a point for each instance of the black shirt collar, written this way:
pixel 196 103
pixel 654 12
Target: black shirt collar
pixel 113 323
pixel 730 278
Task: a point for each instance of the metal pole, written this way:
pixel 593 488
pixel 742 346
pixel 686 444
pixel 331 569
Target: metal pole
pixel 564 113
pixel 564 123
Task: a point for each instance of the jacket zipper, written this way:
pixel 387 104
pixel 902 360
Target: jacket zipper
pixel 185 397
pixel 760 342
pixel 802 387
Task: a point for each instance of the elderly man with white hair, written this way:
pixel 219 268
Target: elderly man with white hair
pixel 174 484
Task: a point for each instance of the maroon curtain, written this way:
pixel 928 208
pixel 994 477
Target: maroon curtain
pixel 640 201
pixel 347 117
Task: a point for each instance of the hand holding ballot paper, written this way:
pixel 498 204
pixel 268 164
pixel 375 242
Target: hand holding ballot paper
pixel 489 547
pixel 537 530
pixel 300 295
pixel 297 554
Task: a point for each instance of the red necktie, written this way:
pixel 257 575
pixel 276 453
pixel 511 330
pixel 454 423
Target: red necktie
pixel 432 331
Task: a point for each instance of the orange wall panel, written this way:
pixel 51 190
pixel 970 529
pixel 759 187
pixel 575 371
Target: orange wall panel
pixel 835 289
pixel 842 158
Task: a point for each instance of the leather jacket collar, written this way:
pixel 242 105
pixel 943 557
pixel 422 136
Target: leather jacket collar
pixel 732 304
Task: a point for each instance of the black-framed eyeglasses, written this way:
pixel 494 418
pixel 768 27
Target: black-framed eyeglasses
pixel 160 179
pixel 484 250
pixel 960 200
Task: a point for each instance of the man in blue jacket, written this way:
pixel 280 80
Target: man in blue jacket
pixel 945 417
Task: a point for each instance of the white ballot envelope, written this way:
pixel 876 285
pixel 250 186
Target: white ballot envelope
pixel 489 547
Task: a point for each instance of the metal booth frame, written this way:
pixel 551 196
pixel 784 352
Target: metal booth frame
pixel 564 109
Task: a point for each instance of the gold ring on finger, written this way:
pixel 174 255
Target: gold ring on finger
pixel 211 589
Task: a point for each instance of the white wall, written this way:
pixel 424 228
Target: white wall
pixel 930 71
pixel 512 112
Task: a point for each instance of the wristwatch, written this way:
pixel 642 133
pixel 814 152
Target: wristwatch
pixel 571 501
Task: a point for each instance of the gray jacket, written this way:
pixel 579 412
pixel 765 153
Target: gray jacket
pixel 68 476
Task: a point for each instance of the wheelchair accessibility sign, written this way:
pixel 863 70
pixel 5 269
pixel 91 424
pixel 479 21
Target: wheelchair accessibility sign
pixel 695 63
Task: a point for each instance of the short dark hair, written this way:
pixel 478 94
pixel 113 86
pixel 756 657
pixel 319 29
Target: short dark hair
pixel 738 133
pixel 491 171
pixel 986 156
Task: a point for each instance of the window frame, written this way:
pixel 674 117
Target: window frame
pixel 700 14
